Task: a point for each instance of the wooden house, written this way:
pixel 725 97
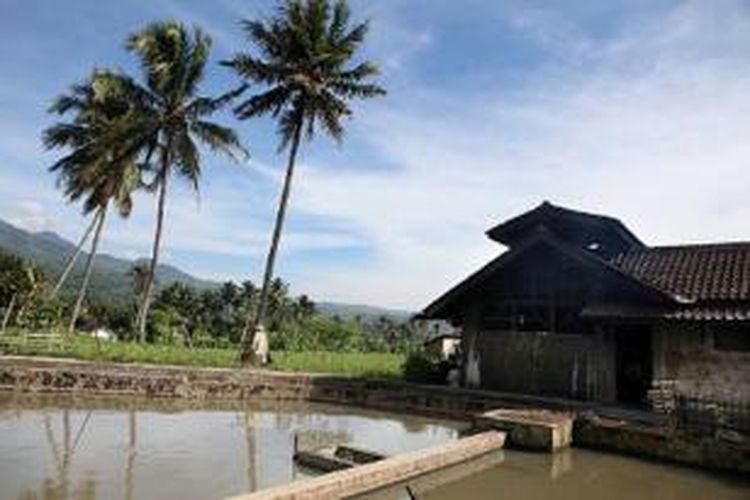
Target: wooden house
pixel 579 307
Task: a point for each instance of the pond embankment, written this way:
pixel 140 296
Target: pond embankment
pixel 593 428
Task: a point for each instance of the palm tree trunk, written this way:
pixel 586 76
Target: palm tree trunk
pixel 100 216
pixel 73 258
pixel 8 312
pixel 246 354
pixel 146 300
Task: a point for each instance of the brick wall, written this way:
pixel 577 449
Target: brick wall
pixel 684 355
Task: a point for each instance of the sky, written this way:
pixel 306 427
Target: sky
pixel 638 109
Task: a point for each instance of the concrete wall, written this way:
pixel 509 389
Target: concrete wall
pixel 685 354
pixel 548 364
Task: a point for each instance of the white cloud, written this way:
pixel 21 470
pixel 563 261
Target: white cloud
pixel 654 132
pixel 650 126
pixel 33 216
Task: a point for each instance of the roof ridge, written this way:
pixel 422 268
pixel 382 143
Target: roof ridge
pixel 692 246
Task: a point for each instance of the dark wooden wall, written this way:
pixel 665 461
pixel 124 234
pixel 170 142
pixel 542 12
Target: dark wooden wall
pixel 546 364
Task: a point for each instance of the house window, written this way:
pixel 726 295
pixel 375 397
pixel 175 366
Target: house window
pixel 731 338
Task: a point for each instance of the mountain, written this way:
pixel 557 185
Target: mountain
pixel 109 278
pixel 368 313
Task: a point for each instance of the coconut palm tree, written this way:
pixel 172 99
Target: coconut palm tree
pixel 70 264
pixel 174 118
pixel 303 59
pixel 98 168
pixel 137 274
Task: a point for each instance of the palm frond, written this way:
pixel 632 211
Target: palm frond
pixel 254 69
pixel 205 106
pixel 265 36
pixel 271 102
pixel 219 138
pixel 198 56
pixel 187 158
pixel 339 21
pixel 303 59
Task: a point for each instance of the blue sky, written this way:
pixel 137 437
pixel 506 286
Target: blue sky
pixel 638 109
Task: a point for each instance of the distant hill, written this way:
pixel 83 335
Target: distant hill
pixel 109 279
pixel 368 313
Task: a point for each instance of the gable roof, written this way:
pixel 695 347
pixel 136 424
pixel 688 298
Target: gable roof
pixel 570 225
pixel 711 272
pixel 446 304
pixel 688 282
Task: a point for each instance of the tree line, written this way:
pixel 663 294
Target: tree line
pixel 212 317
pixel 121 133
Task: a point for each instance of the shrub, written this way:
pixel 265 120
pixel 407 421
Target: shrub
pixel 317 333
pixel 424 369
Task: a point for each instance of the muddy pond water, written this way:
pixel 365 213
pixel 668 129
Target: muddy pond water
pixel 62 447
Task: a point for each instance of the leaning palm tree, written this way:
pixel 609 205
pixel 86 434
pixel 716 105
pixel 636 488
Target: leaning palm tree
pixel 98 167
pixel 303 57
pixel 71 262
pixel 173 117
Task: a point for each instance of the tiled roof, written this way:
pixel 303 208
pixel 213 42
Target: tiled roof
pixel 703 273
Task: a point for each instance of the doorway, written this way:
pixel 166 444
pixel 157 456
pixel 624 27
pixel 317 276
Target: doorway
pixel 633 364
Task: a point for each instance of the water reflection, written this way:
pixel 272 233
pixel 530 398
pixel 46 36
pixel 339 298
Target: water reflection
pixel 62 452
pixel 131 453
pixel 66 448
pixel 583 475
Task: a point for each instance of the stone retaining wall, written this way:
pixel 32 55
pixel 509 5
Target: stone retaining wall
pixel 721 452
pixel 198 384
pixel 41 375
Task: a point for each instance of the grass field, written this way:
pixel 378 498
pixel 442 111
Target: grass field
pixel 85 348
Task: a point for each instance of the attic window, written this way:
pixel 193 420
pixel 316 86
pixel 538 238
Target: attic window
pixel 594 246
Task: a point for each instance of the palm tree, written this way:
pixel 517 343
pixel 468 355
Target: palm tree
pixel 173 117
pixel 137 274
pixel 70 264
pixel 303 59
pixel 97 167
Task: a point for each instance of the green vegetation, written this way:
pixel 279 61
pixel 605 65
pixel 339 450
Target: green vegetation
pixel 371 364
pixel 24 293
pixel 86 348
pixel 203 318
pixel 422 368
pixel 194 327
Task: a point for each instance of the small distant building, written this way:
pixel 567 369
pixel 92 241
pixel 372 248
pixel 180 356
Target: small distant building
pixel 579 307
pixel 443 346
pixel 103 334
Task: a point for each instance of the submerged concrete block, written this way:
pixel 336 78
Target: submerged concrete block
pixel 530 429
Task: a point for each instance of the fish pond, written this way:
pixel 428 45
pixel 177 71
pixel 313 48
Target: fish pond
pixel 86 448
